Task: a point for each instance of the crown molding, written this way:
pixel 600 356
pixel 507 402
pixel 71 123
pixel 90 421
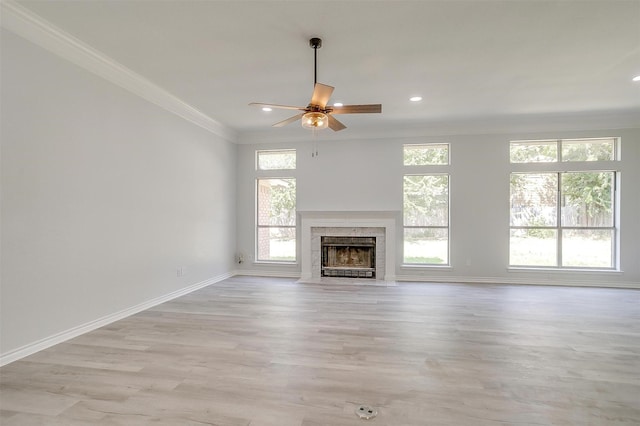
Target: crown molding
pixel 32 27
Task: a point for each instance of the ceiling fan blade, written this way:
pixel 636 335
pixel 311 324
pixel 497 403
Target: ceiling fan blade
pixel 321 95
pixel 357 109
pixel 277 106
pixel 334 124
pixel 288 120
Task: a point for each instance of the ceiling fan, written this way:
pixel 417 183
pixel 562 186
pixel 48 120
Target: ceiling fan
pixel 317 115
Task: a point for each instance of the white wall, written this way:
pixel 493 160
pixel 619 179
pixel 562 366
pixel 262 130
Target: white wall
pixel 104 196
pixel 366 174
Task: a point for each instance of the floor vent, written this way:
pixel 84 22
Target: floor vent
pixel 365 412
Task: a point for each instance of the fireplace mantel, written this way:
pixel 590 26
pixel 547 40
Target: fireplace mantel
pixel 349 219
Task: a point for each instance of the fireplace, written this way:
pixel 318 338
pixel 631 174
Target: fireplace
pixel 351 257
pixel 379 225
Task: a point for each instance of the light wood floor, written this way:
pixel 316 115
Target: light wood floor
pixel 265 351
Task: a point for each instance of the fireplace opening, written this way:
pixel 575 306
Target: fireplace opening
pixel 352 257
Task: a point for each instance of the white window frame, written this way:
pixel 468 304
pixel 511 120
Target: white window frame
pixel 266 174
pixel 561 168
pixel 272 151
pixel 429 170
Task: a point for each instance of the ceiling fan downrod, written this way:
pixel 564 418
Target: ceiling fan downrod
pixel 316 44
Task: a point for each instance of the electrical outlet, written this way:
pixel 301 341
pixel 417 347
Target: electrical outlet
pixel 179 272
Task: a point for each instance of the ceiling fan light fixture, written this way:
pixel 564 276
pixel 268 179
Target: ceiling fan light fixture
pixel 316 115
pixel 315 120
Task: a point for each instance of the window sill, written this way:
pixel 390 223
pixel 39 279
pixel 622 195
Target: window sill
pixel 274 262
pixel 416 266
pixel 564 270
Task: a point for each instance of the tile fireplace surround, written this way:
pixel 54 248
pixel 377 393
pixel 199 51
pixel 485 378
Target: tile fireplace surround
pixel 379 224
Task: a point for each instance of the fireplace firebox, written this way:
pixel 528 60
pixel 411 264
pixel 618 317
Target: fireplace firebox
pixel 352 257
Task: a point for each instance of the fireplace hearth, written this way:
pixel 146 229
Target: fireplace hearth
pixel 348 256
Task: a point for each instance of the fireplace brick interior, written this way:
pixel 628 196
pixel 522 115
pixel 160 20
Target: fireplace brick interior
pixel 350 256
pixel 319 232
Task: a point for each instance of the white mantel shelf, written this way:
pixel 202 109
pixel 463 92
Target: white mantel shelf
pixel 349 219
pixel 372 214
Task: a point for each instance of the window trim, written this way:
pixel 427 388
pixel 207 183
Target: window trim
pixel 447 227
pixel 258 226
pixel 437 169
pixel 273 173
pixel 559 162
pixel 560 168
pixel 259 151
pixel 448 162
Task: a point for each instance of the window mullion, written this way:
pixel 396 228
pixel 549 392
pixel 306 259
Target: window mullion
pixel 559 150
pixel 614 219
pixel 559 216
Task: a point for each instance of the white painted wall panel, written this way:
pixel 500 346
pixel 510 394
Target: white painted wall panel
pixel 104 196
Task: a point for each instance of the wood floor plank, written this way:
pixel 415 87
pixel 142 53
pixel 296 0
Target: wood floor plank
pixel 267 351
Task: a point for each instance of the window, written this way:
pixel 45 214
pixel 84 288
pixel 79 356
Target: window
pixel 552 150
pixel 426 154
pixel 426 205
pixel 284 159
pixel 564 218
pixel 275 207
pixel 276 220
pixel 588 150
pixel 534 151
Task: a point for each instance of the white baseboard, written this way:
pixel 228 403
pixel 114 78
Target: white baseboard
pixel 604 283
pixel 63 336
pixel 518 281
pixel 266 273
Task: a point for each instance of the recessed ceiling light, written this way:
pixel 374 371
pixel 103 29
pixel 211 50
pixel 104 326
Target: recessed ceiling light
pixel 338 104
pixel 267 109
pixel 415 98
pixel 636 78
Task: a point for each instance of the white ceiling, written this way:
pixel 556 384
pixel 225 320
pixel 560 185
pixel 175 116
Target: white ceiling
pixel 470 60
